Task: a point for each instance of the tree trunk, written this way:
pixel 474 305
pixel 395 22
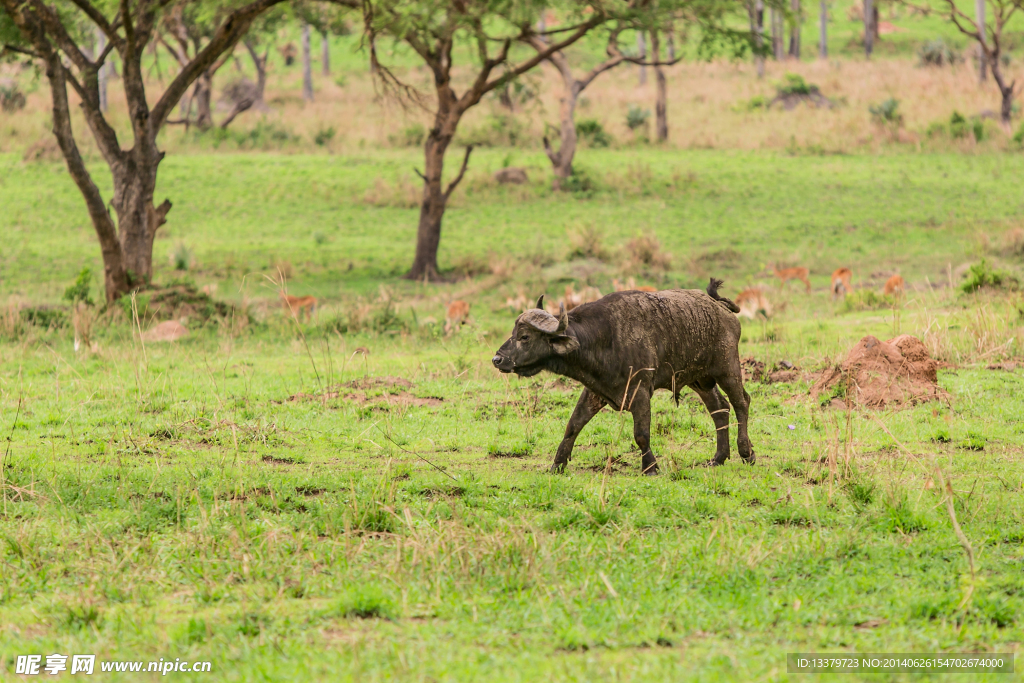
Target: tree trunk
pixel 435 198
pixel 661 100
pixel 101 75
pixel 778 28
pixel 325 55
pixel 869 30
pixel 823 31
pixel 979 9
pixel 137 218
pixel 1006 91
pixel 758 29
pixel 260 64
pixel 202 95
pixel 794 31
pixel 641 52
pixel 561 161
pixel 307 69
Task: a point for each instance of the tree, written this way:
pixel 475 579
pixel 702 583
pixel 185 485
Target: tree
pixel 755 10
pixel 432 30
pixel 572 87
pixel 823 30
pixel 869 28
pixel 50 34
pixel 188 27
pixel 989 37
pixel 794 30
pixel 307 67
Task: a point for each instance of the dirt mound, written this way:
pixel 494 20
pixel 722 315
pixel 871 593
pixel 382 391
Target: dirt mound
pixel 881 374
pixel 181 301
pixel 168 331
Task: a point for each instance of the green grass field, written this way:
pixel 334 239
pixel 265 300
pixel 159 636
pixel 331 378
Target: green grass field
pixel 270 499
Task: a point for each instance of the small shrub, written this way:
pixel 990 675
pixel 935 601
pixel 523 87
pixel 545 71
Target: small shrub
pixel 580 184
pixel 887 113
pixel 79 291
pixel 861 494
pixel 1018 137
pixel 973 442
pixel 900 517
pixel 957 125
pixel 982 276
pixel 45 317
pixel 978 128
pixel 366 602
pixel 324 136
pixel 794 84
pixel 587 241
pixel 411 136
pixel 593 133
pixel 637 117
pixel 11 98
pixel 181 257
pixel 498 130
pixel 937 53
pixel 997 609
pixel 936 128
pixel 645 250
pixel 1014 242
pixel 865 300
pixel 756 103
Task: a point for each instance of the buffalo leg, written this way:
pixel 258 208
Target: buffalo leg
pixel 719 409
pixel 587 407
pixel 640 407
pixel 733 387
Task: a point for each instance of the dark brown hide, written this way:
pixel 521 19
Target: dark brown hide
pixel 626 346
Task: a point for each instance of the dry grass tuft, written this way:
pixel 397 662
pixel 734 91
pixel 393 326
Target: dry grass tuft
pixel 405 194
pixel 644 253
pixel 587 241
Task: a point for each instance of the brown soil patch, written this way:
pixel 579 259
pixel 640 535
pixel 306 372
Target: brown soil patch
pixel 379 382
pixel 752 369
pixel 362 386
pixel 881 374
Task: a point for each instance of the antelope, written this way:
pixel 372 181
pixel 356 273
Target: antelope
pixel 787 274
pixel 841 282
pixel 574 298
pixel 297 304
pixel 754 303
pixel 630 285
pixel 894 285
pixel 455 316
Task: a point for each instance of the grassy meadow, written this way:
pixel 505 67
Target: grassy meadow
pixel 363 497
pixel 360 496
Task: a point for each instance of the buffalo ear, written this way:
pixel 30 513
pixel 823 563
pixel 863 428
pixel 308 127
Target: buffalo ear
pixel 540 303
pixel 564 344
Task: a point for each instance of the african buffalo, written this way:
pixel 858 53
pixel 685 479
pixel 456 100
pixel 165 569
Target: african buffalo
pixel 625 346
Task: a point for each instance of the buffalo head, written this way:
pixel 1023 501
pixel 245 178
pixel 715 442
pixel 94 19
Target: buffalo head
pixel 536 337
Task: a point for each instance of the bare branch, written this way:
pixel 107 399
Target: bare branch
pixel 97 18
pixel 462 172
pixel 225 38
pixel 20 51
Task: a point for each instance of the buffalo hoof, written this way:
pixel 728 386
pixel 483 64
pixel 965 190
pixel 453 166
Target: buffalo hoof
pixel 651 471
pixel 558 468
pixel 750 459
pixel 716 462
